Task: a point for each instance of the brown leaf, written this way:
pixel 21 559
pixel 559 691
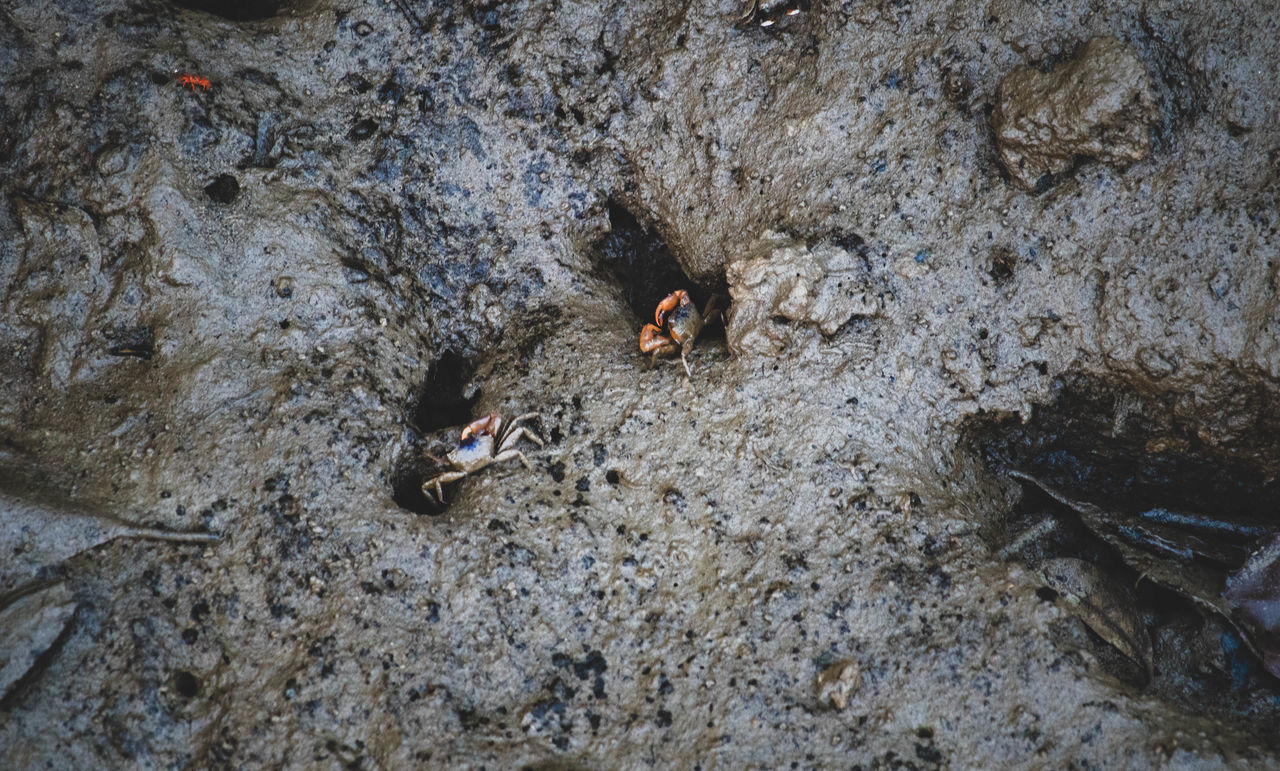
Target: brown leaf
pixel 1101 603
pixel 1254 591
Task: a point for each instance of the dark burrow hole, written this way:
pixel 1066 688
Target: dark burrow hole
pixel 1163 511
pixel 406 485
pixel 638 260
pixel 135 342
pixel 235 10
pixel 443 403
pixel 223 189
pixel 186 684
pixel 1001 264
pixel 362 130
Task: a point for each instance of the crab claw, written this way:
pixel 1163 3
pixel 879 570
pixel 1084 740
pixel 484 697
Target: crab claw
pixel 486 425
pixel 669 304
pixel 651 339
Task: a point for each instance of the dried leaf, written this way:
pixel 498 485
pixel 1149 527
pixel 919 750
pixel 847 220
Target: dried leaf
pixel 35 621
pixel 33 535
pixel 1250 604
pixel 1254 591
pixel 1104 605
pixel 1174 567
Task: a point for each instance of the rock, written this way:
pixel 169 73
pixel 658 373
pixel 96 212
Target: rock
pixel 837 683
pixel 791 286
pixel 1098 105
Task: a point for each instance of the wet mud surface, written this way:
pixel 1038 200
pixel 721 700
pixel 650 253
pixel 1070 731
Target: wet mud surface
pixel 263 310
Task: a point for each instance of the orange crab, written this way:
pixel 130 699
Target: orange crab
pixel 194 82
pixel 678 325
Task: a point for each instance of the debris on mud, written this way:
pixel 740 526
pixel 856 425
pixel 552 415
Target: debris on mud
pixel 1253 593
pixel 837 683
pixel 1161 546
pixel 1099 105
pixel 1103 604
pixel 780 296
pixel 34 535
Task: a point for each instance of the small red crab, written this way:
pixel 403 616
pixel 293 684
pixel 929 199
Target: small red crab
pixel 484 441
pixel 678 325
pixel 195 82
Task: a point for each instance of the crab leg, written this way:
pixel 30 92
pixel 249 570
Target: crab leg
pixel 524 430
pixel 437 481
pixel 688 344
pixel 509 454
pixel 710 313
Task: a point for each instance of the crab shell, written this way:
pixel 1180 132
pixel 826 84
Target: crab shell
pixel 683 322
pixel 472 453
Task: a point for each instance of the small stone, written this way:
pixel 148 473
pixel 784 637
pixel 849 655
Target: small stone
pixel 837 683
pixel 1099 104
pixel 112 161
pixel 1030 330
pixel 1156 363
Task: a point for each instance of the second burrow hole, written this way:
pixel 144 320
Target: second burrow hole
pixel 634 256
pixel 445 403
pixel 1183 495
pixel 446 400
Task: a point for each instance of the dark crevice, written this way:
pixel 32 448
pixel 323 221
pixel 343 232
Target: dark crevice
pixel 1180 506
pixel 446 401
pixel 223 189
pixel 135 342
pixel 406 486
pixel 1146 447
pixel 235 10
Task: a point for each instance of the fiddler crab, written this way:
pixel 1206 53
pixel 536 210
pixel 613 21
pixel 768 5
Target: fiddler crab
pixel 678 325
pixel 484 441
